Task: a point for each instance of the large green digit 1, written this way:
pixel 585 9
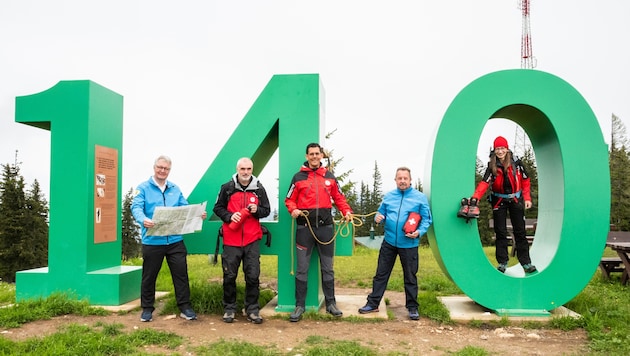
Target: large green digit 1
pixel 85 121
pixel 574 191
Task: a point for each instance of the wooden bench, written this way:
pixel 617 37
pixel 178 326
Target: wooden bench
pixel 610 265
pixel 530 227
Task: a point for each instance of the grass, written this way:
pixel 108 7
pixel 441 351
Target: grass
pixel 604 306
pixel 99 339
pixel 45 308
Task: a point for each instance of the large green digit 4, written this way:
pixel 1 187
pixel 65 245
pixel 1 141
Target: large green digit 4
pixel 286 116
pixel 574 188
pixel 85 120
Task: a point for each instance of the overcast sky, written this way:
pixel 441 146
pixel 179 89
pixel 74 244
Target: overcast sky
pixel 190 70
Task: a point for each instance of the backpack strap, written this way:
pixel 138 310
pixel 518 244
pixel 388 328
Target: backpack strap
pixel 215 258
pixel 266 231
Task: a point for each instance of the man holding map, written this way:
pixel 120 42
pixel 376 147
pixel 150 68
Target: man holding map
pixel 158 192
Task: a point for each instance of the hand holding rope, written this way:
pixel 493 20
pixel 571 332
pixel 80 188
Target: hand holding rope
pixel 354 219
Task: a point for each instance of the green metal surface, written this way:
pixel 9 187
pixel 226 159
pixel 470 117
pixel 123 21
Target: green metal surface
pixel 80 115
pixel 287 115
pixel 574 190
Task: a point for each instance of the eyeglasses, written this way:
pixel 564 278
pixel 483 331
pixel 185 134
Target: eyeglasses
pixel 161 168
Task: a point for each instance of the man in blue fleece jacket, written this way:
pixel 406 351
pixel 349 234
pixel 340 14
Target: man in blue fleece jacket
pixel 157 191
pixel 395 211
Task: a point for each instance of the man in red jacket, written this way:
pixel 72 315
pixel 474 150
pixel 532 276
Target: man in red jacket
pixel 241 203
pixel 309 201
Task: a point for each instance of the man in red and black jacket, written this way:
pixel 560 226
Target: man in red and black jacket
pixel 241 203
pixel 310 197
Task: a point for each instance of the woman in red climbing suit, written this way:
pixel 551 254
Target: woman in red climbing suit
pixel 509 193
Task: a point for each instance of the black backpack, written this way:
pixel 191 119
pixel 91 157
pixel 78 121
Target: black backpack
pixel 215 258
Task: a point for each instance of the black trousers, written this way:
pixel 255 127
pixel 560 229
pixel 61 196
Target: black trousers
pixel 305 243
pixel 386 260
pixel 153 256
pixel 516 210
pixel 231 261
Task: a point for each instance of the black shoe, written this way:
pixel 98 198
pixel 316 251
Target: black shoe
pixel 368 309
pixel 502 267
pixel 463 210
pixel 529 268
pixel 228 317
pixel 413 314
pixel 297 314
pixel 332 309
pixel 147 315
pixel 473 209
pixel 188 314
pixel 255 318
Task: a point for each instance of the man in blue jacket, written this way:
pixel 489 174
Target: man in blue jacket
pixel 402 236
pixel 157 191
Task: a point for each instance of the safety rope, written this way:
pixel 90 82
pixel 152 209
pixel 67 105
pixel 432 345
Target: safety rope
pixel 342 230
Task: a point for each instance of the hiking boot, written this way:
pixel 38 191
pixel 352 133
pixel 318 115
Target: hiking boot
pixel 413 314
pixel 502 267
pixel 188 314
pixel 333 310
pixel 297 314
pixel 529 268
pixel 463 210
pixel 146 316
pixel 228 316
pixel 367 309
pixel 255 318
pixel 473 209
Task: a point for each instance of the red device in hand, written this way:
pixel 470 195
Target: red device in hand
pixel 413 221
pixel 234 225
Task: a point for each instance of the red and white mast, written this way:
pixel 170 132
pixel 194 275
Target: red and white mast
pixel 527 58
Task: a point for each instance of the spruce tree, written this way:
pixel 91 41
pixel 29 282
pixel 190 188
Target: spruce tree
pixel 131 239
pixel 37 235
pixel 374 201
pixel 12 219
pixel 529 162
pixel 364 197
pixel 619 163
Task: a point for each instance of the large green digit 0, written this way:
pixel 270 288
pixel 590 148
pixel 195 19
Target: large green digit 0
pixel 574 191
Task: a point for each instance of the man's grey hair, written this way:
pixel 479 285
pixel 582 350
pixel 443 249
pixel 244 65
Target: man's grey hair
pixel 163 158
pixel 244 160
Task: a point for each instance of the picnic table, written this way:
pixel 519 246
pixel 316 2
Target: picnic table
pixel 618 241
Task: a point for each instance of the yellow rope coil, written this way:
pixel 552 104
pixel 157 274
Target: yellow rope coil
pixel 342 230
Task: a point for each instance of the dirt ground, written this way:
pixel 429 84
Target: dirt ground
pixel 423 337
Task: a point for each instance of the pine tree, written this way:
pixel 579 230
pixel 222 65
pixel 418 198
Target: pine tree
pixel 346 185
pixel 418 185
pixel 37 234
pixel 529 162
pixel 12 216
pixel 131 239
pixel 363 200
pixel 619 163
pixel 374 201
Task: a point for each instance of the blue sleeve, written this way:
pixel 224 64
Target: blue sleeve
pixel 137 206
pixel 425 213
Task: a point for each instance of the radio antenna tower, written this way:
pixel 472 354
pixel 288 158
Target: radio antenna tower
pixel 528 61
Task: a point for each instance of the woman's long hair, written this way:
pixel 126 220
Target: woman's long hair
pixel 507 160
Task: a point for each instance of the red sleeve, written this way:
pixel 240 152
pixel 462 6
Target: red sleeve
pixel 291 199
pixel 480 190
pixel 526 189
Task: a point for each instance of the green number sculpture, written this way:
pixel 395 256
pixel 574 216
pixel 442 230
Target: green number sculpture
pixel 574 191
